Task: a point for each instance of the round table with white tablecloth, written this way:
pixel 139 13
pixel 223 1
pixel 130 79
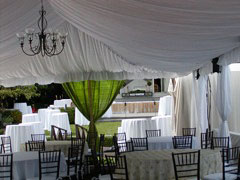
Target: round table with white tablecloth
pixel 42 115
pixel 37 127
pixel 61 120
pixel 137 127
pixel 164 123
pixel 19 134
pixel 158 165
pixel 22 107
pixel 108 113
pixel 80 118
pixel 62 102
pixel 48 118
pixel 29 110
pixel 28 118
pixel 165 106
pixel 26 165
pixel 165 142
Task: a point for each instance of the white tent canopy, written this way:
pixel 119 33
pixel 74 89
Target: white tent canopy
pixel 125 39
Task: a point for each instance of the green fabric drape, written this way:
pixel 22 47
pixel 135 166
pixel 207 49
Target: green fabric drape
pixel 93 98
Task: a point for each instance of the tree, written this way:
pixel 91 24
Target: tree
pixel 19 93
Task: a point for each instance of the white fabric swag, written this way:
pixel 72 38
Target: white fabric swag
pixel 223 100
pixel 199 103
pixel 125 39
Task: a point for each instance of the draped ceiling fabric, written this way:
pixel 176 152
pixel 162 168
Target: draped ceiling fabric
pixel 124 39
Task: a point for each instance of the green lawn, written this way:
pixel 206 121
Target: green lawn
pixel 107 128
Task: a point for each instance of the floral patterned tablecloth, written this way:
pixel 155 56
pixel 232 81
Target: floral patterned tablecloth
pixel 158 165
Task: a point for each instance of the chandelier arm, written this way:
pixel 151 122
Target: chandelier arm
pixel 35 49
pixel 60 50
pixel 27 53
pixel 49 50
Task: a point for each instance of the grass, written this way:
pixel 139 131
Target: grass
pixel 107 128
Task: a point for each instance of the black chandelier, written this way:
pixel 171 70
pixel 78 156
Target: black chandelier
pixel 45 42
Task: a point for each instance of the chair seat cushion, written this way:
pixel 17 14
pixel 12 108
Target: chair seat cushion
pixel 219 176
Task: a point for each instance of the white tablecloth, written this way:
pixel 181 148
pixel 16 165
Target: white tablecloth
pixel 165 106
pixel 19 134
pixel 62 102
pixel 58 145
pixel 25 165
pixel 37 127
pixel 108 113
pixel 136 127
pixel 165 142
pixel 158 165
pixel 48 117
pixel 61 120
pixel 27 118
pixel 164 123
pixel 22 107
pixel 80 118
pixel 29 110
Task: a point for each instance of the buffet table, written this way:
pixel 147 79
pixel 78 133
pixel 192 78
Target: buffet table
pixel 134 107
pixel 158 165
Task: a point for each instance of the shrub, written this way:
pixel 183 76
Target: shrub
pixel 17 116
pixel 108 141
pixel 71 114
pixel 10 117
pixel 1 131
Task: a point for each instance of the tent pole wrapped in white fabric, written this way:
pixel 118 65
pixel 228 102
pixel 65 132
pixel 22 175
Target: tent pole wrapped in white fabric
pixel 124 39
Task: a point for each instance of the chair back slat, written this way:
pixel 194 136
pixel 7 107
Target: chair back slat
pixel 121 147
pixel 78 143
pixel 139 144
pixel 38 137
pixel 49 162
pixel 186 164
pixel 220 142
pixel 230 159
pixel 81 132
pixel 121 137
pixel 35 146
pixel 6 166
pixel 153 133
pixel 58 134
pixel 73 159
pixel 117 166
pixel 206 140
pixel 182 142
pixel 189 131
pixel 6 144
